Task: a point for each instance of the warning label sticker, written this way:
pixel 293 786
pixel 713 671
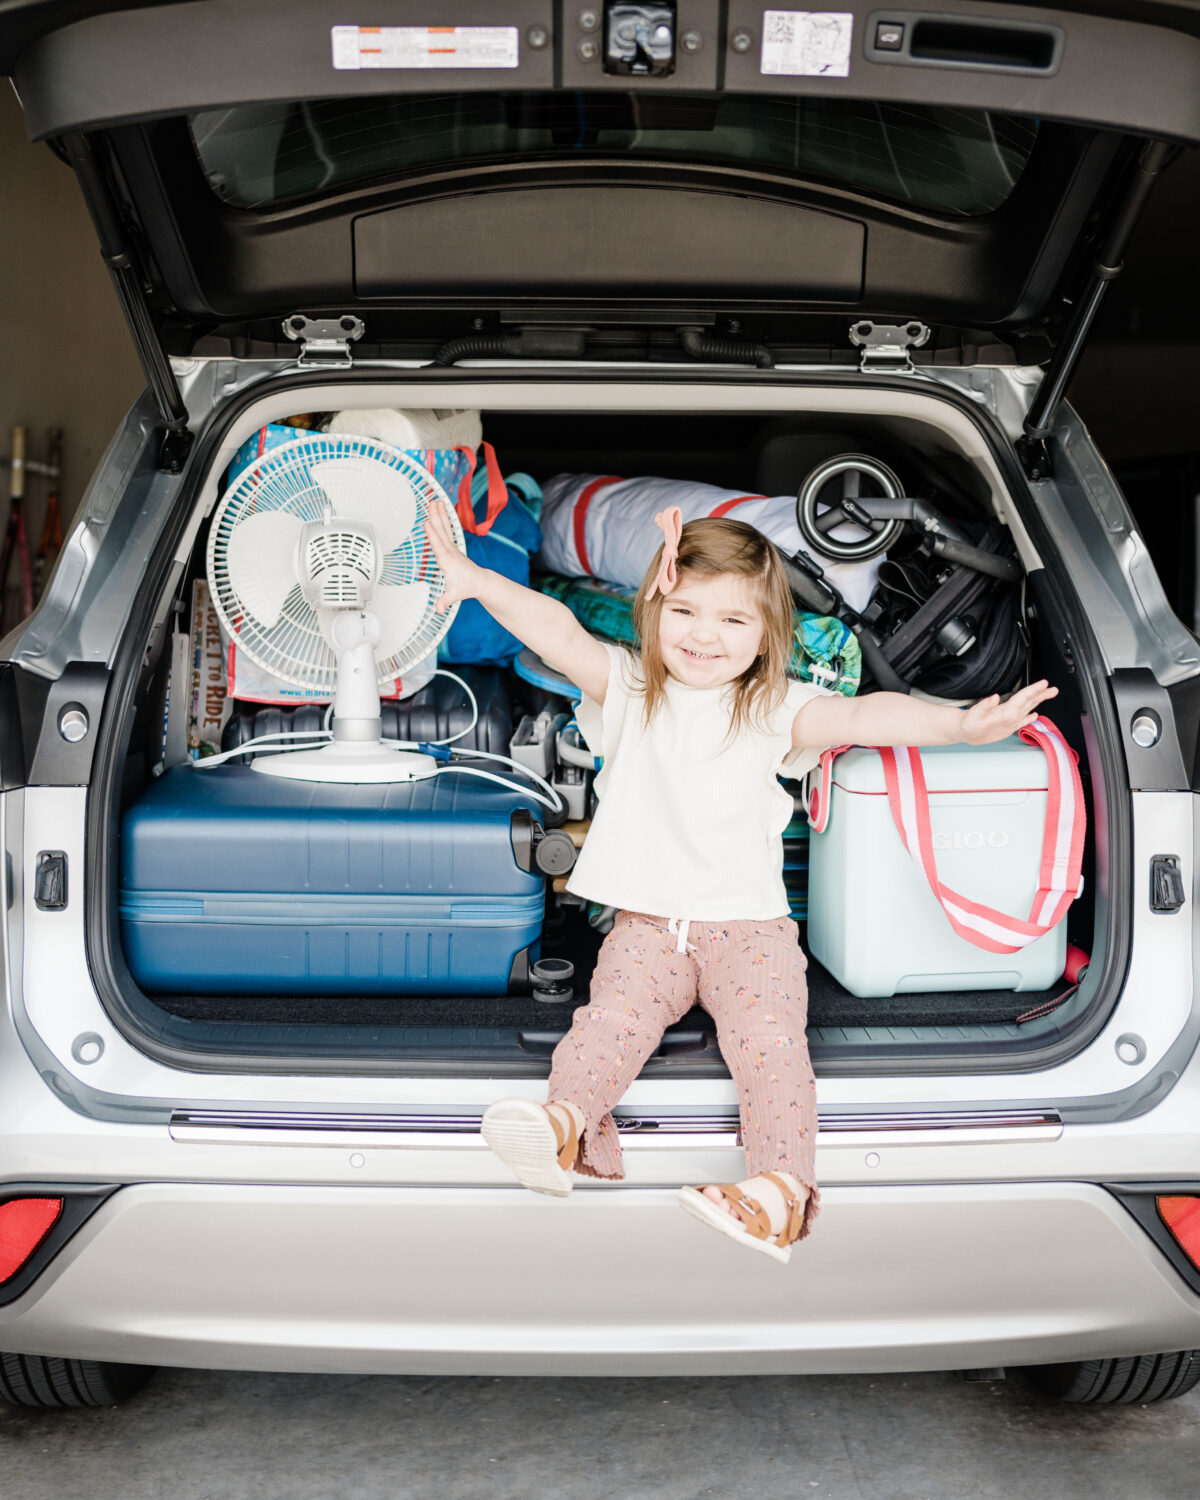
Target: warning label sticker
pixel 807 43
pixel 424 46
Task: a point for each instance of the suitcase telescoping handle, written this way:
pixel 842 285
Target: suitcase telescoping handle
pixel 1059 880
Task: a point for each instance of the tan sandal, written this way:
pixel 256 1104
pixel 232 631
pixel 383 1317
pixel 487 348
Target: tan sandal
pixel 532 1144
pixel 749 1223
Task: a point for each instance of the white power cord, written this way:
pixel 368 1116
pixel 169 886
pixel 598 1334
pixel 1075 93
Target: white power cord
pixel 454 677
pixel 510 786
pixel 314 737
pixel 558 806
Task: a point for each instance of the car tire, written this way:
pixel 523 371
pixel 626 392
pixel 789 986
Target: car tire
pixel 32 1380
pixel 1144 1378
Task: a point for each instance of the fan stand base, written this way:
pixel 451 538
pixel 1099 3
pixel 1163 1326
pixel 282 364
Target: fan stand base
pixel 348 762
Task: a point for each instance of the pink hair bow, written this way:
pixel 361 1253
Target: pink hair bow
pixel 671 522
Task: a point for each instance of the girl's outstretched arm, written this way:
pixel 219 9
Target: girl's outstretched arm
pixel 545 625
pixel 895 719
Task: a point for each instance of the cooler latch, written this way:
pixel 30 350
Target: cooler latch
pixel 888 346
pixel 324 341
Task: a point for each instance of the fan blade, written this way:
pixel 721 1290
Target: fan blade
pixel 401 611
pixel 261 558
pixel 361 489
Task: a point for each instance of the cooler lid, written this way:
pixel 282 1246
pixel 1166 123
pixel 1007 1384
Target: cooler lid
pixel 1007 766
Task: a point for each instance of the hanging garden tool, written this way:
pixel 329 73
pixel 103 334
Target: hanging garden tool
pixel 17 595
pixel 51 541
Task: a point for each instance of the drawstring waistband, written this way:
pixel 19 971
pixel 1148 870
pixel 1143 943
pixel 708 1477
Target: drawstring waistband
pixel 678 928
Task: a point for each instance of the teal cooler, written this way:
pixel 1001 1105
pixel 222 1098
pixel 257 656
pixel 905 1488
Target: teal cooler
pixel 233 882
pixel 872 919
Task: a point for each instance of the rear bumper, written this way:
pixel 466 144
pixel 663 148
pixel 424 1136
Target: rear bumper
pixel 614 1281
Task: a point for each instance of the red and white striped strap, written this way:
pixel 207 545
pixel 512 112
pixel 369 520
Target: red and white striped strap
pixel 583 501
pixel 727 505
pixel 579 518
pixel 1062 841
pixel 819 784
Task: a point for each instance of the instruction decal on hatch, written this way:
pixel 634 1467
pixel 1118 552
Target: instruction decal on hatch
pixel 807 43
pixel 424 46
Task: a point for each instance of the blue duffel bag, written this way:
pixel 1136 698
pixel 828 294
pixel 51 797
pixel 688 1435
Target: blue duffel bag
pixel 506 532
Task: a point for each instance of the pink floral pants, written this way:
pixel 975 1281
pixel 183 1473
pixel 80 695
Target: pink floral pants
pixel 749 976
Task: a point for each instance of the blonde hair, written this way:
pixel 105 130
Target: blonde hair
pixel 707 549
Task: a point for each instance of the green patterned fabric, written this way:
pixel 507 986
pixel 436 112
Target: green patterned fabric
pixel 824 650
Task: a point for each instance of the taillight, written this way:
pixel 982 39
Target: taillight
pixel 1182 1218
pixel 24 1224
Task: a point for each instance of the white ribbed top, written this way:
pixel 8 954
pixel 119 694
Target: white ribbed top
pixel 689 820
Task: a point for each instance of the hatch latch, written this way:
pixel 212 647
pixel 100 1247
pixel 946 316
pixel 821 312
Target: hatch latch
pixel 888 346
pixel 1166 883
pixel 324 341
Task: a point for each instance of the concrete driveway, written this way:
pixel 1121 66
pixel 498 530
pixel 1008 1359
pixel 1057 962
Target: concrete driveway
pixel 211 1436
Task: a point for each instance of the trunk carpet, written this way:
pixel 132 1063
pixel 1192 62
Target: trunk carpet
pixel 829 1006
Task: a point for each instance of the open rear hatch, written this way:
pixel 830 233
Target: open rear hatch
pixel 586 181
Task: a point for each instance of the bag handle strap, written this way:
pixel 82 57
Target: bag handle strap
pixel 1059 877
pixel 817 786
pixel 497 492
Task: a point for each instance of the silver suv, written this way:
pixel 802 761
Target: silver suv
pixel 720 245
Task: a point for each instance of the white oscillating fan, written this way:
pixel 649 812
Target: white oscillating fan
pixel 320 571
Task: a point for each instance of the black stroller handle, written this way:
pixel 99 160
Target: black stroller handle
pixel 811 590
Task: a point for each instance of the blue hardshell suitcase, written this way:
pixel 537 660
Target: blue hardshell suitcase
pixel 238 883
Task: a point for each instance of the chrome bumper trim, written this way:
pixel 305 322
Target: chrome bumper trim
pixel 441 1131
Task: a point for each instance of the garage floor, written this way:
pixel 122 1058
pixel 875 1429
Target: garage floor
pixel 200 1436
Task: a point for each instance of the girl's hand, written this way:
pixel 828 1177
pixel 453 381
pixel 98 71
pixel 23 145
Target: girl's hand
pixel 990 720
pixel 463 577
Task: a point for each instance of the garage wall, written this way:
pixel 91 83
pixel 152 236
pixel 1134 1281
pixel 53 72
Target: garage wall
pixel 1140 399
pixel 66 359
pixel 1136 386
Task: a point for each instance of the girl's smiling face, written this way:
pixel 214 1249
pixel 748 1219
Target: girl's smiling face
pixel 710 629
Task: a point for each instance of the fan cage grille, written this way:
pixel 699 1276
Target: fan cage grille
pixel 295 648
pixel 339 564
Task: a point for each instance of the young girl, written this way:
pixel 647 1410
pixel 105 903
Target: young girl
pixel 686 844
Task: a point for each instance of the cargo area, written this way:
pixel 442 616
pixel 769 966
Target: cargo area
pixel 1019 627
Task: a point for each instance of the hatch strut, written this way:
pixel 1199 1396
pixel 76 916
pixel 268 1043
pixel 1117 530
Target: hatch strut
pixel 1035 455
pixel 118 257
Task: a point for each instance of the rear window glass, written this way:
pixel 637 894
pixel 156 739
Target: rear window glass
pixel 950 161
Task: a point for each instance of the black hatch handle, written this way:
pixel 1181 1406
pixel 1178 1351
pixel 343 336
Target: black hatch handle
pixel 1106 267
pixel 122 266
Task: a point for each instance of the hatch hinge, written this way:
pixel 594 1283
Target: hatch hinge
pixel 888 346
pixel 1034 453
pixel 324 341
